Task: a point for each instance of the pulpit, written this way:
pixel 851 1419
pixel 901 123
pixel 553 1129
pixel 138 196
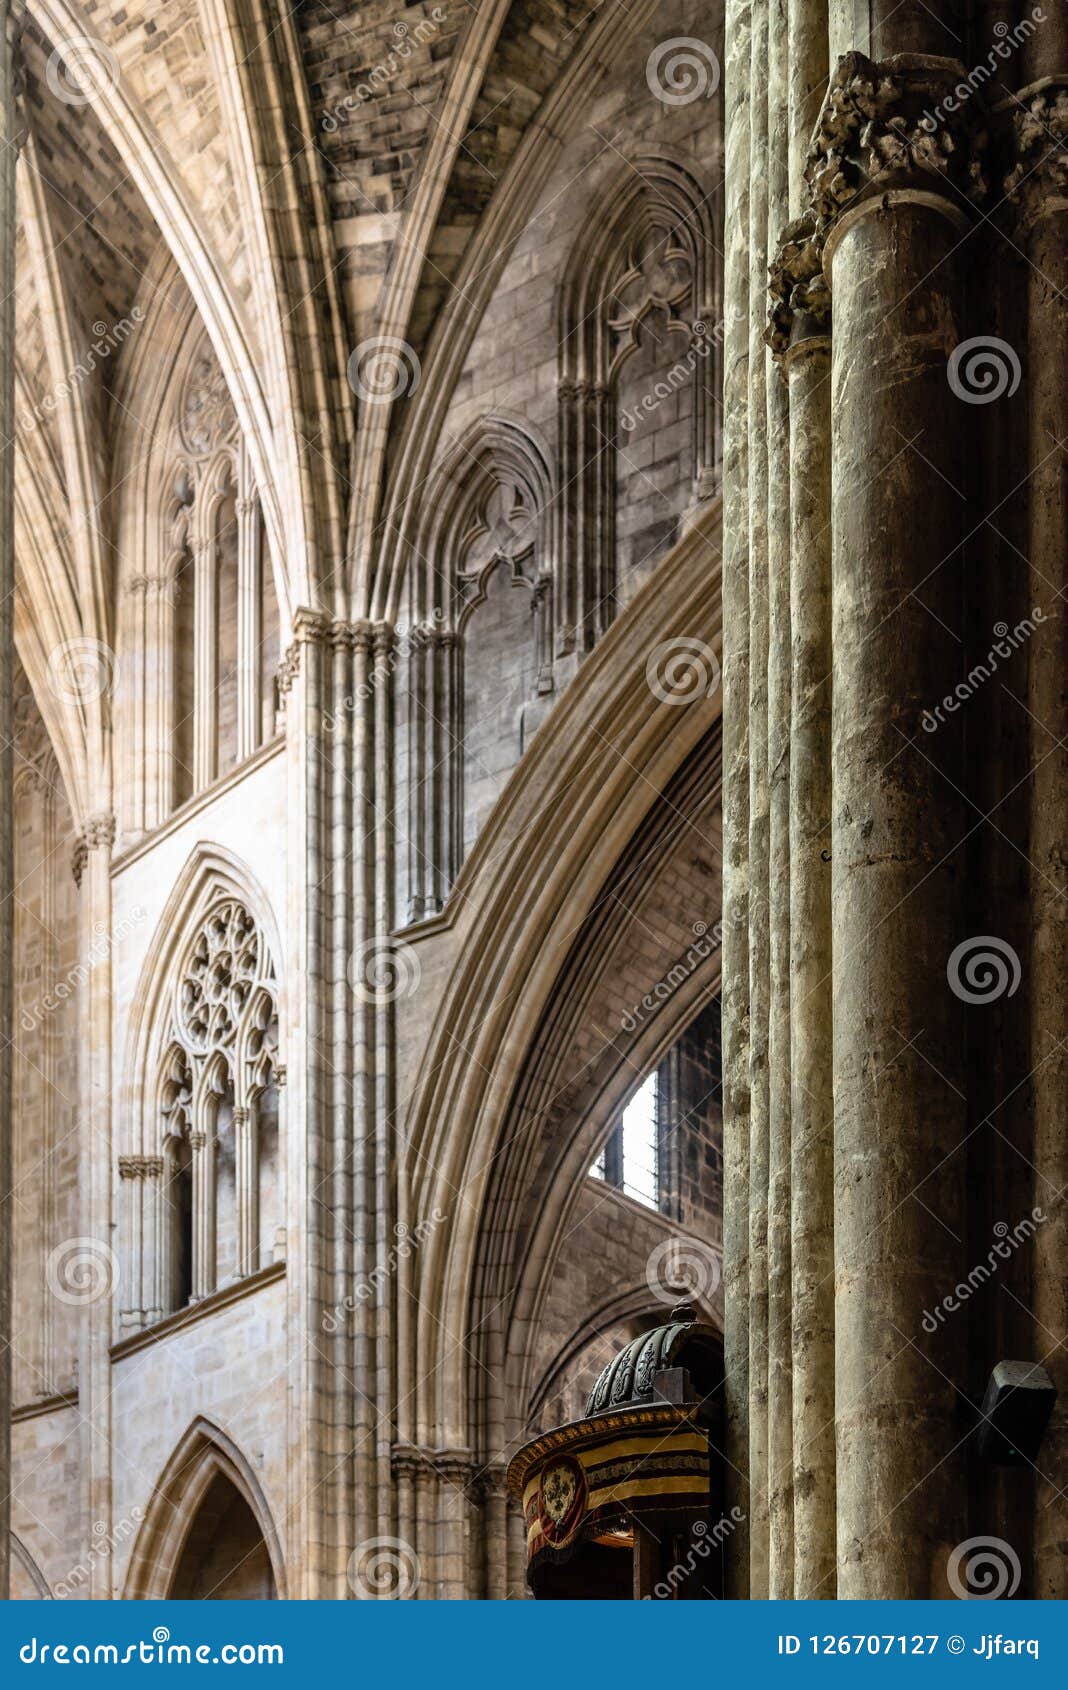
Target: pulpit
pixel 627 1502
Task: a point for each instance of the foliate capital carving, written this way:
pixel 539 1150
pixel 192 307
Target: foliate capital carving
pixel 98 834
pixel 140 1167
pixel 797 286
pixel 351 636
pixel 152 586
pixel 314 627
pixel 454 1466
pixel 1038 179
pixel 897 124
pixel 288 670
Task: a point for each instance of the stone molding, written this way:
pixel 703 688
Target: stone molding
pixel 234 1292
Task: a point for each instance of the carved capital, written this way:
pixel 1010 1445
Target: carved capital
pixel 385 640
pixel 288 670
pixel 1038 181
pixel 140 1167
pixel 898 124
pixel 314 627
pixel 800 300
pixel 454 1466
pixel 351 636
pixel 98 834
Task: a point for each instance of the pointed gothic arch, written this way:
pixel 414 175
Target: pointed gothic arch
pixel 204 1040
pixel 204 1458
pixel 539 869
pixel 201 607
pixel 24 1569
pixel 639 288
pixel 486 527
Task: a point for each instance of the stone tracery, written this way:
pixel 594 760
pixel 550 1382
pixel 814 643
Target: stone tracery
pixel 188 1229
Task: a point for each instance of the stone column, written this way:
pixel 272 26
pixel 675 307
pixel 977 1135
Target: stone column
pixel 158 778
pixel 736 785
pixel 759 928
pixel 205 671
pixel 801 341
pixel 12 18
pixel 892 206
pixel 339 1228
pixel 1039 187
pixel 96 1172
pixel 249 632
pixel 780 1349
pixel 135 778
pixel 205 1148
pixel 246 1189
